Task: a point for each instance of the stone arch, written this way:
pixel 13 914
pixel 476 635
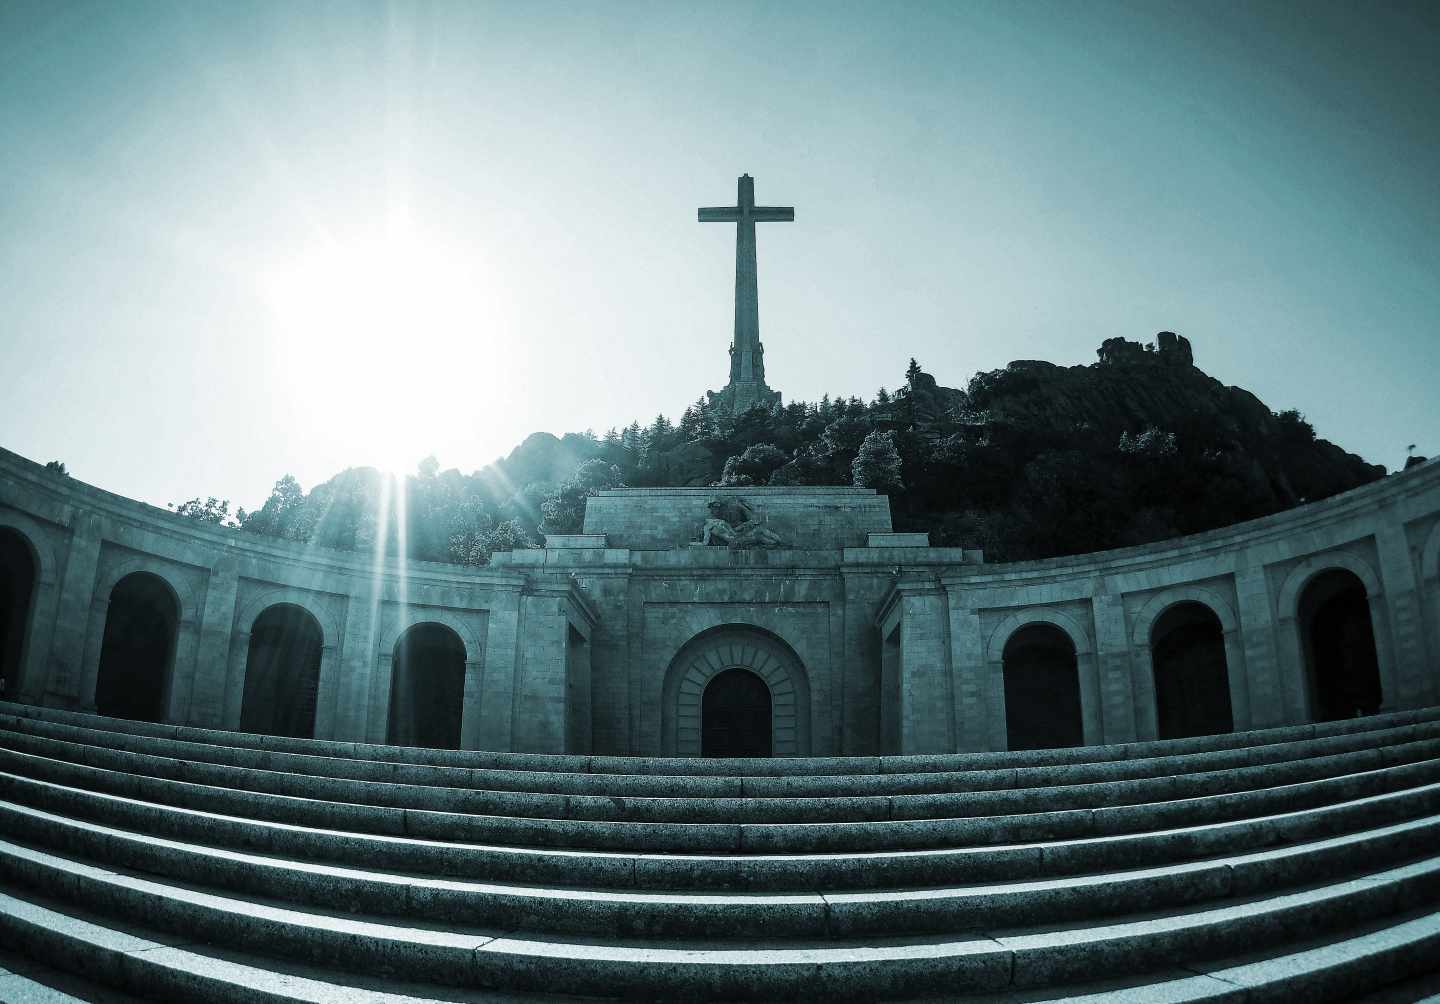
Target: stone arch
pixel 1079 637
pixel 1190 670
pixel 1086 667
pixel 1294 645
pixel 409 616
pixel 39 542
pixel 283 661
pixel 1287 603
pixel 427 701
pixel 735 646
pixel 1142 646
pixel 290 596
pixel 1157 605
pixel 1040 672
pixel 23 594
pixel 135 667
pixel 111 575
pixel 182 668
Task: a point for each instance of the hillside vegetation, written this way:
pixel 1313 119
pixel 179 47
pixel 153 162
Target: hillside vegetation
pixel 1030 461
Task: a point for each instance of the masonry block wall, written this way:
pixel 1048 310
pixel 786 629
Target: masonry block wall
pixel 899 647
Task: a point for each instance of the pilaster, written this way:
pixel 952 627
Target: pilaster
pixel 72 613
pixel 1271 701
pixel 488 719
pixel 207 692
pixel 1120 687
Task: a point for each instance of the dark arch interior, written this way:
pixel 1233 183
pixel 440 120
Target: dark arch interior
pixel 282 673
pixel 735 715
pixel 1192 686
pixel 137 649
pixel 1042 690
pixel 1344 673
pixel 17 587
pixel 427 692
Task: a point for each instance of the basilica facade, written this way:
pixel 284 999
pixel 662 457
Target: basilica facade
pixel 805 626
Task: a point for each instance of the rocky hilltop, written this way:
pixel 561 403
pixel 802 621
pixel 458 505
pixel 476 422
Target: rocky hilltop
pixel 1028 461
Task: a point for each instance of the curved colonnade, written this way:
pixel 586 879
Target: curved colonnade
pixel 1323 612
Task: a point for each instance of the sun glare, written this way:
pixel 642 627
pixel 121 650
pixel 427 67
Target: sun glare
pixel 380 337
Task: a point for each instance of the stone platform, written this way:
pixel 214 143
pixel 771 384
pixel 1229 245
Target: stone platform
pixel 184 863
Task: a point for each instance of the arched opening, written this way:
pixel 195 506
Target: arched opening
pixel 1192 684
pixel 427 692
pixel 282 673
pixel 719 650
pixel 138 648
pixel 17 587
pixel 735 715
pixel 1042 689
pixel 1342 669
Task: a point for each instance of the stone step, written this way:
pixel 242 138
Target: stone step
pixel 729 872
pixel 166 967
pixel 716 837
pixel 816 915
pixel 24 981
pixel 654 785
pixel 531 805
pixel 768 767
pixel 1343 967
pixel 979 961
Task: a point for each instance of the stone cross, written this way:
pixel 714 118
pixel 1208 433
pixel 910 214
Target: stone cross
pixel 747 360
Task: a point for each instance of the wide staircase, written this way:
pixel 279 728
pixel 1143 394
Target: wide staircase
pixel 158 861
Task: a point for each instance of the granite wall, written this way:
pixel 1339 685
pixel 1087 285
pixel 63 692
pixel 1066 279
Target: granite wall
pixel 596 645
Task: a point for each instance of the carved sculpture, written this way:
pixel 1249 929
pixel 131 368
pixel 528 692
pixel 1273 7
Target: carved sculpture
pixel 733 523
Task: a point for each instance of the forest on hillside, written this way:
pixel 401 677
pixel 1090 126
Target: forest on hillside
pixel 1030 461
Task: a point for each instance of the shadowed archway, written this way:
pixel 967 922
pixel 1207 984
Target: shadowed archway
pixel 18 572
pixel 1192 681
pixel 138 648
pixel 759 655
pixel 1343 670
pixel 1042 689
pixel 735 716
pixel 282 673
pixel 427 692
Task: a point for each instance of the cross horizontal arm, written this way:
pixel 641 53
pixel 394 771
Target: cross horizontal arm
pixel 720 214
pixel 773 214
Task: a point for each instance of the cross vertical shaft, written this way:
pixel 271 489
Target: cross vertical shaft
pixel 747 355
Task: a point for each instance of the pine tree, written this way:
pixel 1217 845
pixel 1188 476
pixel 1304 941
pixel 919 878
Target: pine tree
pixel 878 463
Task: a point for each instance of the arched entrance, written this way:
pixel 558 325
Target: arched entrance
pixel 1042 689
pixel 282 673
pixel 735 715
pixel 427 691
pixel 17 588
pixel 138 648
pixel 760 657
pixel 1192 682
pixel 1343 672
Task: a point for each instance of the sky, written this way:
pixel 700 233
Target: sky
pixel 239 240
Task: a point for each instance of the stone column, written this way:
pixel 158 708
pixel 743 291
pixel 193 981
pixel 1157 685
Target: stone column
pixel 77 585
pixel 382 678
pixel 1271 699
pixel 358 673
pixel 927 704
pixel 212 665
pixel 1119 690
pixel 1240 716
pixel 182 672
pixel 326 691
pixel 235 678
pixel 972 733
pixel 1406 687
pixel 94 645
pixel 30 687
pixel 488 721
